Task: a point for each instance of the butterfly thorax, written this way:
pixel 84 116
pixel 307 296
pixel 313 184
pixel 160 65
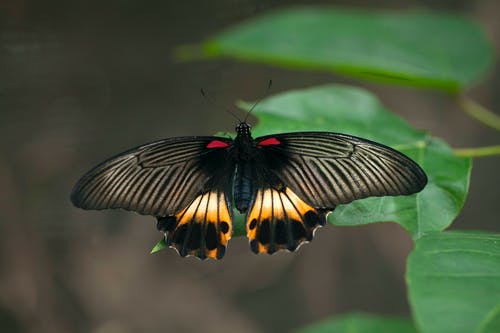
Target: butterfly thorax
pixel 244 145
pixel 244 152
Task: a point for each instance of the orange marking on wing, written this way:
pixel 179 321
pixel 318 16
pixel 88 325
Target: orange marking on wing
pixel 267 202
pixel 261 248
pixel 254 215
pixel 211 254
pixel 255 211
pixel 188 213
pixel 204 227
pixel 279 220
pixel 210 207
pixel 290 209
pixel 224 214
pixel 277 213
pixel 299 204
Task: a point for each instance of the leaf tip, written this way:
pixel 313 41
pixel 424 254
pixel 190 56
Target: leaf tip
pixel 159 246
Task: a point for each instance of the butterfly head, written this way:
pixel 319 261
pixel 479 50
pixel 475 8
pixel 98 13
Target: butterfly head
pixel 243 129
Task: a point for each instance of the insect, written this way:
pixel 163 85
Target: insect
pixel 285 183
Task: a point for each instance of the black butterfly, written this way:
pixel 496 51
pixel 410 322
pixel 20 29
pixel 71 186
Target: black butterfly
pixel 285 183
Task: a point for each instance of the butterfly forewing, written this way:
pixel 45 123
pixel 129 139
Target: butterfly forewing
pixel 328 169
pixel 156 179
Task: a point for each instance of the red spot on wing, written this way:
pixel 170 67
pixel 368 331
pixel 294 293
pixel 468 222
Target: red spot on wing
pixel 217 144
pixel 269 142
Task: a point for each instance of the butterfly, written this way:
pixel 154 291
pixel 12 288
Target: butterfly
pixel 286 184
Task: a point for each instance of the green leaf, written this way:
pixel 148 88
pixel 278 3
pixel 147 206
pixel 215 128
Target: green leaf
pixel 350 110
pixel 361 323
pixel 159 246
pixel 435 50
pixel 454 282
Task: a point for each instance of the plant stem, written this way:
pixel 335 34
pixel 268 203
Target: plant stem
pixel 478 152
pixel 479 112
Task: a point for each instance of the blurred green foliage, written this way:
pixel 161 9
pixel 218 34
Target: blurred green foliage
pixel 440 51
pixel 361 323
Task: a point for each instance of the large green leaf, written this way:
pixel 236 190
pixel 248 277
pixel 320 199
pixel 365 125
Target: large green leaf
pixel 409 48
pixel 361 323
pixel 354 111
pixel 454 282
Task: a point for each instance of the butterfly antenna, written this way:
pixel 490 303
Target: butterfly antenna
pixel 260 99
pixel 211 101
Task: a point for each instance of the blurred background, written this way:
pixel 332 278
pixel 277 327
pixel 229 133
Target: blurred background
pixel 83 80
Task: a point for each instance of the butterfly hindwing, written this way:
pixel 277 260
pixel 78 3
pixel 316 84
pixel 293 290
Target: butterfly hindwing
pixel 278 219
pixel 202 229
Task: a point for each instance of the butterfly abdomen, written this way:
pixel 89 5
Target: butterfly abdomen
pixel 244 186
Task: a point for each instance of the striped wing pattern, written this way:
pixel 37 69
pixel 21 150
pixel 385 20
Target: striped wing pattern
pixel 156 179
pixel 286 183
pixel 279 220
pixel 328 169
pixel 201 229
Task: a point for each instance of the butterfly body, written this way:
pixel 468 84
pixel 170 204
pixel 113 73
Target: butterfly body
pixel 244 176
pixel 286 184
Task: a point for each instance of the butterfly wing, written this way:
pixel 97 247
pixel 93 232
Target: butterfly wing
pixel 306 175
pixel 278 219
pixel 184 182
pixel 203 228
pixel 328 169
